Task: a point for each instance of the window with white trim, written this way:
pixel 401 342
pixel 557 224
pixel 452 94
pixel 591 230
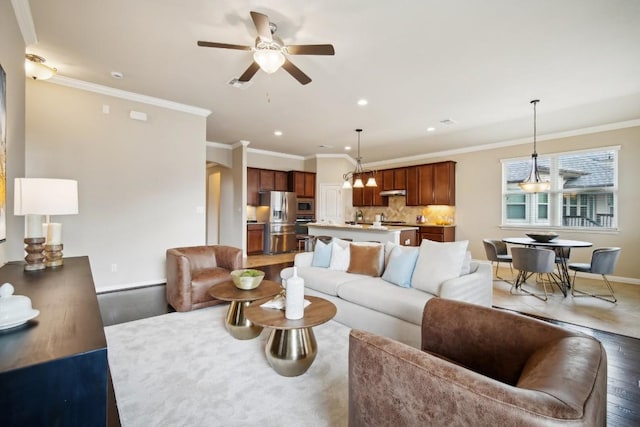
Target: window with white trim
pixel 583 193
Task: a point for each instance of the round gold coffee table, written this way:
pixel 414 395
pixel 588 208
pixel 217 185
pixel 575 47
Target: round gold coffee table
pixel 237 324
pixel 292 346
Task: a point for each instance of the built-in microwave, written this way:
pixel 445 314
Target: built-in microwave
pixel 306 207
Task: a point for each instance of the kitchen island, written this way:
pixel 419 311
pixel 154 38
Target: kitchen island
pixel 398 234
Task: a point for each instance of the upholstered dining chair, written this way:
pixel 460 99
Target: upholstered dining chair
pixel 603 262
pixel 496 251
pixel 530 261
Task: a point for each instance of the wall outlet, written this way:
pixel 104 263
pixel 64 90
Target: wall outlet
pixel 114 268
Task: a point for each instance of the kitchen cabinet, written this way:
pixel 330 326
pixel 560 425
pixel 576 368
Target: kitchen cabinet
pixel 393 179
pixel 253 186
pixel 369 196
pixel 431 184
pixel 281 181
pixel 437 233
pixel 264 180
pixel 267 180
pixel 255 239
pixel 303 184
pixel 409 238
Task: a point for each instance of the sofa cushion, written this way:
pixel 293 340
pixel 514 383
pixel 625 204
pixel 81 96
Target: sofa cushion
pixel 374 293
pixel 339 257
pixel 399 270
pixel 321 254
pixel 366 258
pixel 436 263
pixel 325 280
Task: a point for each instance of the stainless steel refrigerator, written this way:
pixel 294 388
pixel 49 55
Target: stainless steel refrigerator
pixel 279 210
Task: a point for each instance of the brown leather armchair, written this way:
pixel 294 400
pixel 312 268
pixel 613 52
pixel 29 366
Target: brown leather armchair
pixel 478 366
pixel 191 271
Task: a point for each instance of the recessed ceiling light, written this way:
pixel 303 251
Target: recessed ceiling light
pixel 362 102
pixel 431 129
pixel 117 75
pixel 347 147
pixel 277 132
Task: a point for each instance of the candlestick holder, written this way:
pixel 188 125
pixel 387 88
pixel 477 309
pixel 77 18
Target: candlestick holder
pixel 35 259
pixel 53 254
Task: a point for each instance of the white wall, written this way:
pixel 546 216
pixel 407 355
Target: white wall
pixel 12 61
pixel 141 184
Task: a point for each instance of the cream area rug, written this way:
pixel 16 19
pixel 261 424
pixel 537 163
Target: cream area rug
pixel 184 369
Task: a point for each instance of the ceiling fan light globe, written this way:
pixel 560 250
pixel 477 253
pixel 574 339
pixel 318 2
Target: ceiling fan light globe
pixel 269 60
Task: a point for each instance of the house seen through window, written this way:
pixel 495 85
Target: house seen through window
pixel 583 193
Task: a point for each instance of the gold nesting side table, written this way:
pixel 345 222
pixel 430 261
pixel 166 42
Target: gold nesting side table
pixel 292 347
pixel 236 322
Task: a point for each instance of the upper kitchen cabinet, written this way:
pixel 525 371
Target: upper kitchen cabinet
pixel 264 180
pixel 369 196
pixel 253 186
pixel 303 184
pixel 393 179
pixel 431 184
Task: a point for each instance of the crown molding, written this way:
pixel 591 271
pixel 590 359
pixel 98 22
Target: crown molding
pixel 212 144
pixel 130 96
pixel 275 154
pixel 558 135
pixel 22 10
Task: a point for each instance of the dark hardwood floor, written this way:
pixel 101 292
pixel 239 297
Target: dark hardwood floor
pixel 623 353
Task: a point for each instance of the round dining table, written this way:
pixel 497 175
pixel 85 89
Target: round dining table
pixel 564 277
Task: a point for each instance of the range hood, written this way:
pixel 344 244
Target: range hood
pixel 393 193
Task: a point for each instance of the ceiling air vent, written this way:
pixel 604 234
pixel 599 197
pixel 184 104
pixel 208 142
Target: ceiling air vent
pixel 448 122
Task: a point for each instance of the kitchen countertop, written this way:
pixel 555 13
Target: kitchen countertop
pixel 368 227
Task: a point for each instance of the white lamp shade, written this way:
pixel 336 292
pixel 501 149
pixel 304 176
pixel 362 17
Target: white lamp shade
pixel 371 182
pixel 358 183
pixel 269 60
pixel 45 196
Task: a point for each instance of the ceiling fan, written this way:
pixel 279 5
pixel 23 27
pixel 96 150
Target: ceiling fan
pixel 269 52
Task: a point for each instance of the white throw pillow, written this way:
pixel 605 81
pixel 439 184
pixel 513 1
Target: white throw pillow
pixel 388 247
pixel 340 257
pixel 436 263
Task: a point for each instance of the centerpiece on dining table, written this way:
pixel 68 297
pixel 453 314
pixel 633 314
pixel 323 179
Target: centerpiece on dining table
pixel 543 236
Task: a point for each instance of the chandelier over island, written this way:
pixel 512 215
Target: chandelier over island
pixel 354 178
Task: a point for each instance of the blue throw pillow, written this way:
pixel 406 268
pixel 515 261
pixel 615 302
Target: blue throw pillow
pixel 321 254
pixel 402 261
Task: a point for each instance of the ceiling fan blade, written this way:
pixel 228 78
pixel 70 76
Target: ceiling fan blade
pixel 311 49
pixel 249 72
pixel 262 25
pixel 296 72
pixel 224 45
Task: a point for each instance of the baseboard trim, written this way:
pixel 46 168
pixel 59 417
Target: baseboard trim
pixel 130 286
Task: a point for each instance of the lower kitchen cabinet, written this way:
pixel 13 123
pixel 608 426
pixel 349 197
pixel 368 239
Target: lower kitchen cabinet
pixel 255 239
pixel 438 233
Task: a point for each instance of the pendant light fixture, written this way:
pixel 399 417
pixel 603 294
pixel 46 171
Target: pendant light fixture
pixel 356 174
pixel 533 183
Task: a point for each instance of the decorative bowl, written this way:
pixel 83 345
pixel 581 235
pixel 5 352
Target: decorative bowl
pixel 543 236
pixel 247 279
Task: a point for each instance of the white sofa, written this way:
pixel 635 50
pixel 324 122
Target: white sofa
pixel 384 308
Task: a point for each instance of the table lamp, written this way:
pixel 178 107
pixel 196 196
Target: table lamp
pixel 38 197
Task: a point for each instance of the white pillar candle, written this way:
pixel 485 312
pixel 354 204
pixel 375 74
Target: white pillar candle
pixel 294 303
pixel 34 226
pixel 54 233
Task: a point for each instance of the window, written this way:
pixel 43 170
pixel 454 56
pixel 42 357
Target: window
pixel 583 194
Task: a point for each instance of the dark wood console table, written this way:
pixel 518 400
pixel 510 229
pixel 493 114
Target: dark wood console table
pixel 54 369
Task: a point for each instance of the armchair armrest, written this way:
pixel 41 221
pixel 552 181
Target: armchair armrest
pixel 228 257
pixel 303 259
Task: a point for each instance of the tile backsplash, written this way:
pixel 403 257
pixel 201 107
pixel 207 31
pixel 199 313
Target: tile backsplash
pixel 399 211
